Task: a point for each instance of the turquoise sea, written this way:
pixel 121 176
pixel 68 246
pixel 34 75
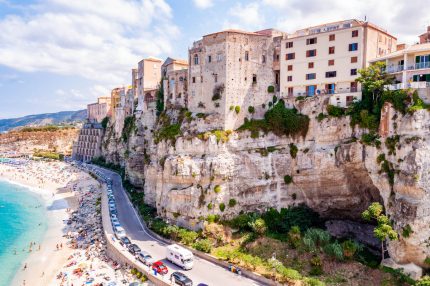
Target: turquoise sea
pixel 21 212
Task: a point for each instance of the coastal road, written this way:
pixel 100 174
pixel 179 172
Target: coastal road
pixel 202 272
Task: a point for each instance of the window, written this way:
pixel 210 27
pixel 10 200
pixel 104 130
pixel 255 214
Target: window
pixel 330 74
pixel 311 41
pixel 290 67
pixel 288 45
pixel 310 90
pixel 196 59
pixel 290 91
pixel 311 76
pixel 354 86
pixel 311 53
pixel 201 79
pixel 194 79
pixel 209 59
pixel 254 78
pixel 353 47
pixel 353 71
pixel 355 33
pixel 247 56
pixel 219 57
pixel 290 56
pixel 216 77
pixel 331 62
pixel 332 37
pixel 311 65
pixel 330 50
pixel 354 59
pixel 263 59
pixel 290 78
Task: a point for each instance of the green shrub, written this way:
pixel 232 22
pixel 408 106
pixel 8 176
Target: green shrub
pixel 139 275
pixel 370 139
pixel 133 271
pixel 316 266
pixel 295 237
pixel 270 89
pixel 293 150
pixel 258 226
pixel 417 103
pixel 212 218
pixel 350 248
pixel 313 282
pixel 283 121
pixel 232 203
pixel 392 143
pixel 380 158
pixel 335 111
pixel 204 245
pixel 424 281
pixel 105 122
pixel 321 116
pixel 169 132
pixel 222 207
pixel 288 179
pixel 231 107
pixel 187 236
pixel 334 250
pixel 129 127
pixel 237 109
pixel 251 109
pixel 210 206
pixel 242 221
pixel 217 189
pixel 316 238
pixel 407 231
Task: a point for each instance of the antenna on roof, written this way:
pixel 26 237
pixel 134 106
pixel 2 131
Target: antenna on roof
pixel 365 18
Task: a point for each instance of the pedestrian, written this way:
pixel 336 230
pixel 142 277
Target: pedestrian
pixel 25 266
pixel 39 246
pixel 57 246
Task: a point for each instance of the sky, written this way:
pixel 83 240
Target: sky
pixel 58 55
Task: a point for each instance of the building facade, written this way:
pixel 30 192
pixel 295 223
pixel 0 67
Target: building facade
pixel 99 110
pixel 230 73
pixel 425 38
pixel 325 59
pixel 148 80
pixel 175 86
pixel 89 142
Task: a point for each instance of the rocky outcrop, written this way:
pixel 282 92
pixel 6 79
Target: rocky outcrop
pixel 332 172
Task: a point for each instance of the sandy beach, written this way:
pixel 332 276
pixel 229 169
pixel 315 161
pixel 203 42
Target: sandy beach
pixel 72 251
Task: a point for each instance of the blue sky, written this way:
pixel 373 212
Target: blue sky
pixel 61 55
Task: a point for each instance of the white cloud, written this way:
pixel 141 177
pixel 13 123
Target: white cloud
pixel 203 4
pixel 99 40
pixel 247 17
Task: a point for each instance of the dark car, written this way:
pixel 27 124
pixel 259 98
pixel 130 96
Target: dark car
pixel 181 279
pixel 133 249
pixel 160 267
pixel 124 241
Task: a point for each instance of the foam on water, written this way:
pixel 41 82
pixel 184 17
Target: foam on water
pixel 21 212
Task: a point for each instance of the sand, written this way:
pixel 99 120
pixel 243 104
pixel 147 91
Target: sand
pixel 54 181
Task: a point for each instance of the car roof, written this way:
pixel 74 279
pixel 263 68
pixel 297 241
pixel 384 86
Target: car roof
pixel 158 263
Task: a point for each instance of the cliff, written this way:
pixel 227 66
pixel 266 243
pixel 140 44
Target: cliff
pixel 329 169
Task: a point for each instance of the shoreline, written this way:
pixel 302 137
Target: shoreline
pixel 58 198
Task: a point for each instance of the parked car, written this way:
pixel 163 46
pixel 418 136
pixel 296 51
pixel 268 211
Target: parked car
pixel 145 258
pixel 160 267
pixel 119 232
pixel 124 241
pixel 181 279
pixel 133 249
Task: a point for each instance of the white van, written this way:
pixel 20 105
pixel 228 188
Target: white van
pixel 180 256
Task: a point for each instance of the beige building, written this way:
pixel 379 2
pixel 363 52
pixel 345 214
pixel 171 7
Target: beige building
pixel 89 142
pixel 425 38
pixel 325 59
pixel 99 110
pixel 410 66
pixel 116 95
pixel 148 80
pixel 175 74
pixel 230 72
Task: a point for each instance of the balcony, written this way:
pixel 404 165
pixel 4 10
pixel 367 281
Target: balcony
pixel 415 85
pixel 418 66
pixel 394 69
pixel 327 91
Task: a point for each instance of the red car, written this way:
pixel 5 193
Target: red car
pixel 159 267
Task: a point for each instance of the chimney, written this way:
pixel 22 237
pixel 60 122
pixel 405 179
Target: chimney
pixel 400 47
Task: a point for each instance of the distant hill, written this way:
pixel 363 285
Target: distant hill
pixel 62 117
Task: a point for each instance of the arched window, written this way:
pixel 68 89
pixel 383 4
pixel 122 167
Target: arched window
pixel 196 59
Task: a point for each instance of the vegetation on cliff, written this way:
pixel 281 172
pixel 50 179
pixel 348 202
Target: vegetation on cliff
pixel 279 120
pixel 48 155
pixel 129 127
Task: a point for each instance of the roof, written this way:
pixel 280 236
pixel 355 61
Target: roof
pixel 408 50
pixel 170 60
pixel 152 59
pixel 237 31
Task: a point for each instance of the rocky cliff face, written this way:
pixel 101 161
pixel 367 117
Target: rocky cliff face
pixel 332 172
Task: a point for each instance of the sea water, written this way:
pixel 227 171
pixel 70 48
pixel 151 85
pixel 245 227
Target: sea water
pixel 22 220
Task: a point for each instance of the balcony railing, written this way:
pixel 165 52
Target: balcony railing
pixel 326 91
pixel 415 84
pixel 393 69
pixel 417 66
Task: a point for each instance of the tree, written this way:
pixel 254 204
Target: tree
pixel 258 226
pixel 373 79
pixel 383 229
pixel 160 98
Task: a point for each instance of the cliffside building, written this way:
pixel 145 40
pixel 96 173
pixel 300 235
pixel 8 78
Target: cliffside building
pixel 325 59
pixel 231 71
pixel 99 110
pixel 175 86
pixel 148 81
pixel 89 141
